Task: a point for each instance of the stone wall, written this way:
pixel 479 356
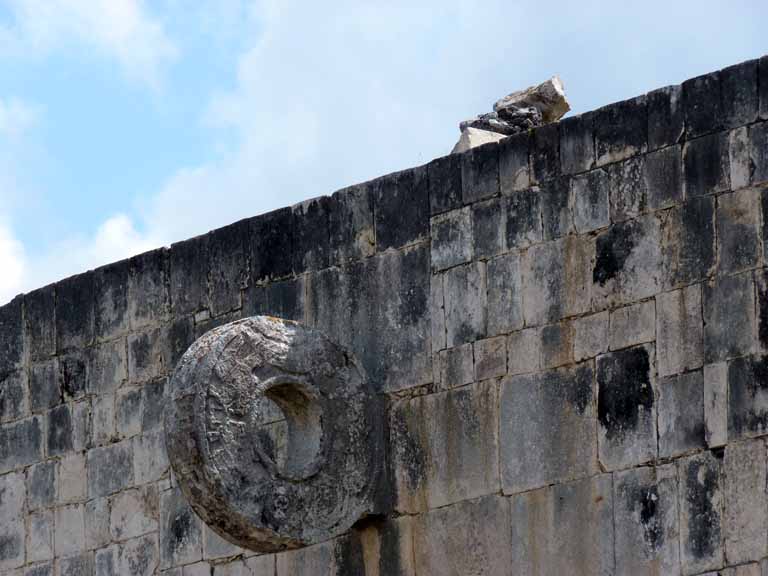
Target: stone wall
pixel 568 329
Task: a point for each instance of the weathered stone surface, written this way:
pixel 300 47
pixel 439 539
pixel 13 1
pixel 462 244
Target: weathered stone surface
pixel 480 173
pixel 547 428
pixel 523 350
pixel 478 132
pixel 108 369
pixel 626 407
pixel 60 431
pixel 701 513
pixel 627 263
pixel 451 235
pixel 445 448
pixel 702 104
pixel 545 153
pixel 634 324
pixel 228 266
pixel 747 405
pixel 738 93
pixel 74 312
pixel 139 556
pixel 75 565
pixel 282 298
pixel 74 375
pixel 272 235
pixel 444 176
pixel 549 537
pixel 150 460
pixel 761 281
pixel 148 298
pixel 214 546
pixel 134 512
pixel 556 345
pixel 465 297
pixel 681 414
pixel 311 235
pixel 729 317
pixel 706 167
pixel 21 443
pixel 716 404
pixel 758 152
pixel 97 524
pixel 12 531
pixel 111 293
pixel 273 506
pixel 738 154
pixel 318 559
pixel 554 197
pixel 523 218
pixel 40 335
pixel 485 531
pixel 577 149
pixel 457 366
pixel 514 169
pixel 688 242
pixel 40 536
pixel 181 536
pixel 548 98
pixel 745 505
pixel 679 330
pixel 489 228
pixel 44 388
pixel 621 130
pixel 627 184
pixel 110 468
pixel 738 231
pixel 504 294
pixel 70 530
pixel 490 358
pixel 14 397
pixel 646 520
pixel 589 201
pixel 351 224
pixel 662 175
pixel 188 276
pixel 71 479
pixel 41 484
pixel 665 116
pixel 590 336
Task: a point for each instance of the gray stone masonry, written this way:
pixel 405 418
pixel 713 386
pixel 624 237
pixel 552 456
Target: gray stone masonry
pixel 567 331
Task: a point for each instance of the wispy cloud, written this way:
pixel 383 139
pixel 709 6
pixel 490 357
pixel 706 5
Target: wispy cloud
pixel 120 29
pixel 16 116
pixel 12 264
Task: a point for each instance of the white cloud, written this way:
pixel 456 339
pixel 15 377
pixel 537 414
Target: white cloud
pixel 12 264
pixel 121 29
pixel 16 117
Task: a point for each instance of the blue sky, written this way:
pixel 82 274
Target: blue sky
pixel 130 124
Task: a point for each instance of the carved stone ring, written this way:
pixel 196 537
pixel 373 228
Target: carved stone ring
pixel 228 388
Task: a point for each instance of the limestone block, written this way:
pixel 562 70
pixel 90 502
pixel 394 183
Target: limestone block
pixel 21 443
pixel 621 130
pixel 444 175
pixel 548 98
pixel 556 279
pixel 445 447
pixel 523 218
pixel 701 512
pixel 747 402
pixel 524 351
pixel 44 389
pixel 646 519
pixel 473 136
pixel 108 369
pixel 465 303
pixel 758 152
pixel 181 536
pixel 40 536
pixel 490 358
pixel 626 407
pixel 152 403
pixel 111 294
pixel 134 512
pixel 738 231
pixel 311 235
pixel 197 569
pixel 105 561
pixel 451 235
pixel 260 565
pixel 738 93
pixel 150 460
pixel 74 374
pixel 662 173
pixel 480 173
pixel 70 530
pixel 544 156
pixel 75 565
pixel 556 219
pixel 14 399
pixel 761 280
pixel 44 569
pixel 97 516
pixel 489 228
pixel 148 297
pixel 12 529
pixel 457 366
pixel 688 242
pixel 590 335
pixel 577 150
pixel 60 431
pixel 188 276
pixel 745 505
pixel 39 313
pixel 110 468
pixel 679 330
pixel 140 556
pixel 702 104
pixel 310 561
pixel 729 317
pixel 504 294
pixel 547 428
pixel 706 167
pixel 214 546
pixel 716 404
pixel 551 538
pixel 103 421
pixel 557 341
pixel 752 569
pixel 665 116
pixel 738 154
pixel 74 312
pixel 148 355
pixel 128 412
pixel 442 549
pixel 627 262
pixel 437 312
pixel 71 478
pixel 681 414
pixel 41 484
pixel 514 171
pixel 634 324
pixel 763 88
pixel 272 235
pixel 396 227
pixel 590 201
pixel 628 192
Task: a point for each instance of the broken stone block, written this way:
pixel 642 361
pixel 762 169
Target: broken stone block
pixel 40 536
pixel 665 117
pixel 679 330
pixel 556 345
pixel 634 324
pixel 70 530
pixel 451 235
pixel 701 512
pixel 738 154
pixel 443 550
pixel 514 171
pixel 544 154
pixel 646 519
pixel 457 366
pixel 522 218
pixel 746 510
pixel 139 556
pixel 590 201
pixel 396 227
pixel 444 176
pixel 590 336
pixel 181 537
pixel 547 428
pixel 523 351
pixel 621 130
pixel 663 178
pixel 556 220
pixel 489 228
pixel 478 132
pixel 490 358
pixel 12 532
pixel 504 294
pixel 627 263
pixel 729 317
pixel 134 512
pixel 738 230
pixel 688 242
pixel 480 173
pixel 681 414
pixel 627 189
pixel 40 336
pixel 110 468
pixel 465 303
pixel 706 168
pixel 626 407
pixel 548 98
pixel 445 447
pixel 577 150
pixel 14 399
pixel 44 388
pixel 758 152
pixel 549 537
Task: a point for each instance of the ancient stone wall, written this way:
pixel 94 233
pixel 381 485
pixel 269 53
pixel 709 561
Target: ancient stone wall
pixel 567 331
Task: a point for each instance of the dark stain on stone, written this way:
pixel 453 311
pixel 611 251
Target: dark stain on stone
pixel 748 393
pixel 10 546
pixel 348 554
pixel 407 449
pixel 141 349
pixel 60 430
pixel 580 393
pixel 73 375
pixel 180 529
pixel 624 388
pixel 762 307
pixel 389 549
pixel 613 248
pixel 413 296
pixel 701 484
pixel 653 531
